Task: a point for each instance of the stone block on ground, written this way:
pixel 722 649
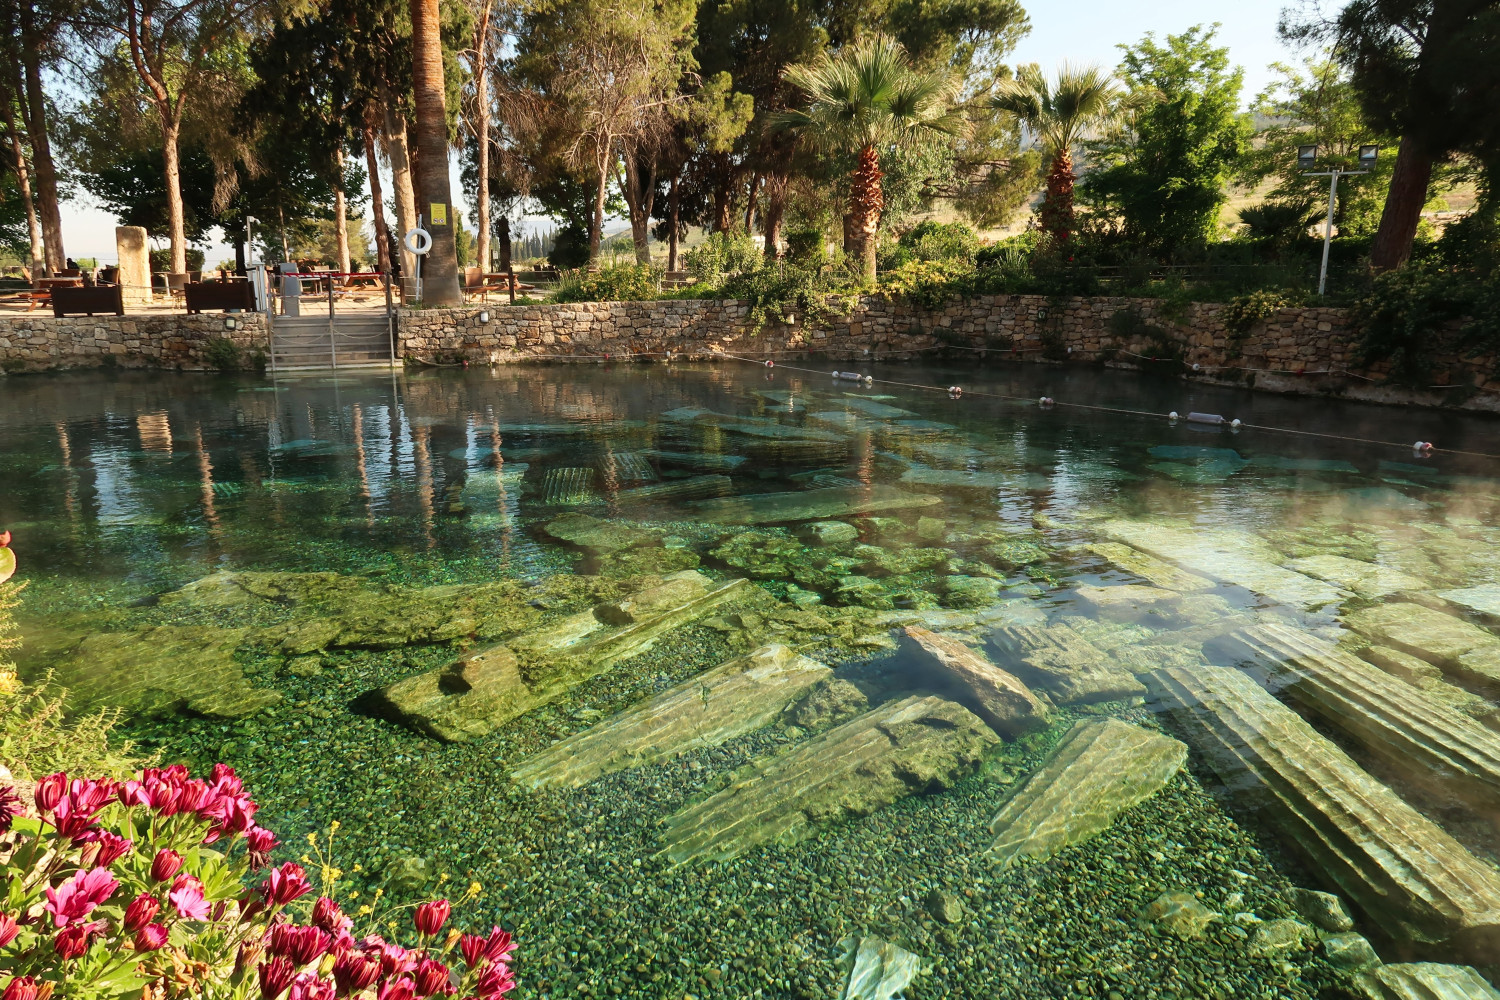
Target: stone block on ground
pixel 878 970
pixel 1463 650
pixel 598 535
pixel 907 747
pixel 728 701
pixel 1402 871
pixel 1426 981
pixel 1430 743
pixel 1101 768
pixel 676 490
pixel 1363 578
pixel 1149 568
pixel 568 486
pixel 832 503
pixel 1000 698
pixel 1064 664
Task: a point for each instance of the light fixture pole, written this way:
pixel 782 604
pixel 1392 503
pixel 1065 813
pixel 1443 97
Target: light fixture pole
pixel 1306 158
pixel 250 222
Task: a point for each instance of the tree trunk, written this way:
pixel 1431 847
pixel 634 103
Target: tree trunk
pixel 674 217
pixel 724 203
pixel 640 196
pixel 440 266
pixel 775 210
pixel 1057 203
pixel 23 184
pixel 596 223
pixel 750 204
pixel 401 180
pixel 1403 207
pixel 865 204
pixel 341 212
pixel 482 137
pixel 377 203
pixel 34 111
pixel 176 219
pixel 502 236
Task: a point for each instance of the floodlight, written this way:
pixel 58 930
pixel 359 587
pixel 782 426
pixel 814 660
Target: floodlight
pixel 1306 155
pixel 1367 157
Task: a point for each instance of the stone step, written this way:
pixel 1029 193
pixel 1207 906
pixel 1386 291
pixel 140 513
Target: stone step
pixel 1150 568
pixel 730 700
pixel 916 745
pixel 572 485
pixel 1392 719
pixel 1404 872
pixel 1426 981
pixel 810 505
pixel 1008 705
pixel 1064 664
pixel 476 695
pixel 1463 650
pixel 1101 768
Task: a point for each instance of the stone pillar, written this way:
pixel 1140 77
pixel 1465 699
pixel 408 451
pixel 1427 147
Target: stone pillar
pixel 135 264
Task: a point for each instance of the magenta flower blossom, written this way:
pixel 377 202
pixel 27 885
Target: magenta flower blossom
pixel 9 928
pixel 21 988
pixel 396 989
pixel 395 959
pixel 73 940
pixel 354 972
pixel 300 944
pixel 285 884
pixel 494 981
pixel 76 898
pixel 430 917
pixel 261 843
pixel 102 848
pixel 309 986
pixel 151 937
pixel 275 977
pixel 141 911
pixel 10 807
pixel 187 897
pixel 430 978
pixel 166 864
pixel 327 915
pixel 49 791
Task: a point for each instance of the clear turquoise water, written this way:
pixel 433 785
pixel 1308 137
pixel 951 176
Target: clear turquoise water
pixel 119 487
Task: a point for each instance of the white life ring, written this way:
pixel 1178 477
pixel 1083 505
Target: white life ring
pixel 418 241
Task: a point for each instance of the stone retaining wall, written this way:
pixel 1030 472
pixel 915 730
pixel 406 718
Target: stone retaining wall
pixel 40 342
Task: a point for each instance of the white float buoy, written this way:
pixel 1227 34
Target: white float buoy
pixel 1046 401
pixel 1422 448
pixel 1205 418
pixel 955 391
pixel 1173 416
pixel 1235 424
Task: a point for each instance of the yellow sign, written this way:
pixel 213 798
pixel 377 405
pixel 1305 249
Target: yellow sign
pixel 439 214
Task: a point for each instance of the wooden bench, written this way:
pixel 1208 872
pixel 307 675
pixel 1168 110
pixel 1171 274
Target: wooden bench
pixel 219 295
pixel 100 299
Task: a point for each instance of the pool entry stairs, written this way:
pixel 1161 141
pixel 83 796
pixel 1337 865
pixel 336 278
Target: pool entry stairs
pixel 321 342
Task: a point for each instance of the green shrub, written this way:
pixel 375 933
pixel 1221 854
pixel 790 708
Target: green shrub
pixel 1403 316
pixel 786 292
pixel 161 260
pixel 221 354
pixel 721 256
pixel 930 241
pixel 928 283
pixel 617 283
pixel 570 248
pixel 806 247
pixel 1244 311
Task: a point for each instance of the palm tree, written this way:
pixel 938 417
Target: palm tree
pixel 866 98
pixel 440 266
pixel 1083 99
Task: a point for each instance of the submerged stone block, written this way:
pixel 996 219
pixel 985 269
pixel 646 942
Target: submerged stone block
pixel 1008 705
pixel 568 486
pixel 1101 768
pixel 1064 664
pixel 810 505
pixel 1461 649
pixel 728 701
pixel 1426 981
pixel 907 747
pixel 694 488
pixel 878 970
pixel 598 535
pixel 1483 599
pixel 1149 568
pixel 1401 870
pixel 1366 579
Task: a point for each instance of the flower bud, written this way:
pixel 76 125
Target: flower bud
pixel 50 791
pixel 141 911
pixel 20 988
pixel 430 917
pixel 431 977
pixel 151 937
pixel 275 977
pixel 166 864
pixel 9 928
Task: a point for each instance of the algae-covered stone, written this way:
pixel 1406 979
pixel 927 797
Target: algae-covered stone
pixel 1322 908
pixel 160 670
pixel 913 746
pixel 1277 937
pixel 1014 554
pixel 651 561
pixel 1150 568
pixel 1349 952
pixel 830 701
pixel 1429 679
pixel 897 561
pixel 1100 769
pixel 970 591
pixel 827 533
pixel 1064 664
pixel 1127 597
pixel 1364 578
pixel 706 710
pixel 1008 705
pixel 831 503
pixel 865 592
pixel 1458 647
pixel 598 535
pixel 1180 914
pixel 1483 599
pixel 1426 981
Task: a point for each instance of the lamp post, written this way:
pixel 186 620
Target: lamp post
pixel 1306 158
pixel 250 222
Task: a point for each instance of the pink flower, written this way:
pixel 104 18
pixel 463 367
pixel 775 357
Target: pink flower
pixel 395 960
pixel 396 989
pixel 151 937
pixel 187 897
pixel 309 987
pixel 141 911
pixel 355 972
pixel 133 793
pixel 73 941
pixel 102 848
pixel 166 864
pixel 10 807
pixel 224 780
pixel 49 791
pixel 9 928
pixel 430 917
pixel 495 948
pixel 20 988
pixel 300 944
pixel 327 915
pixel 91 794
pixel 261 843
pixel 76 898
pixel 275 976
pixel 285 884
pixel 431 977
pixel 494 981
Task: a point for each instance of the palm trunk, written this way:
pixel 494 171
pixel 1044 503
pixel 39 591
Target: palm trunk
pixel 377 203
pixel 401 180
pixel 34 112
pixel 1403 207
pixel 440 266
pixel 775 210
pixel 865 203
pixel 341 213
pixel 482 137
pixel 750 204
pixel 23 184
pixel 176 217
pixel 674 216
pixel 1057 204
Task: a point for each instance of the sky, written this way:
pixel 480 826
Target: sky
pixel 1079 31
